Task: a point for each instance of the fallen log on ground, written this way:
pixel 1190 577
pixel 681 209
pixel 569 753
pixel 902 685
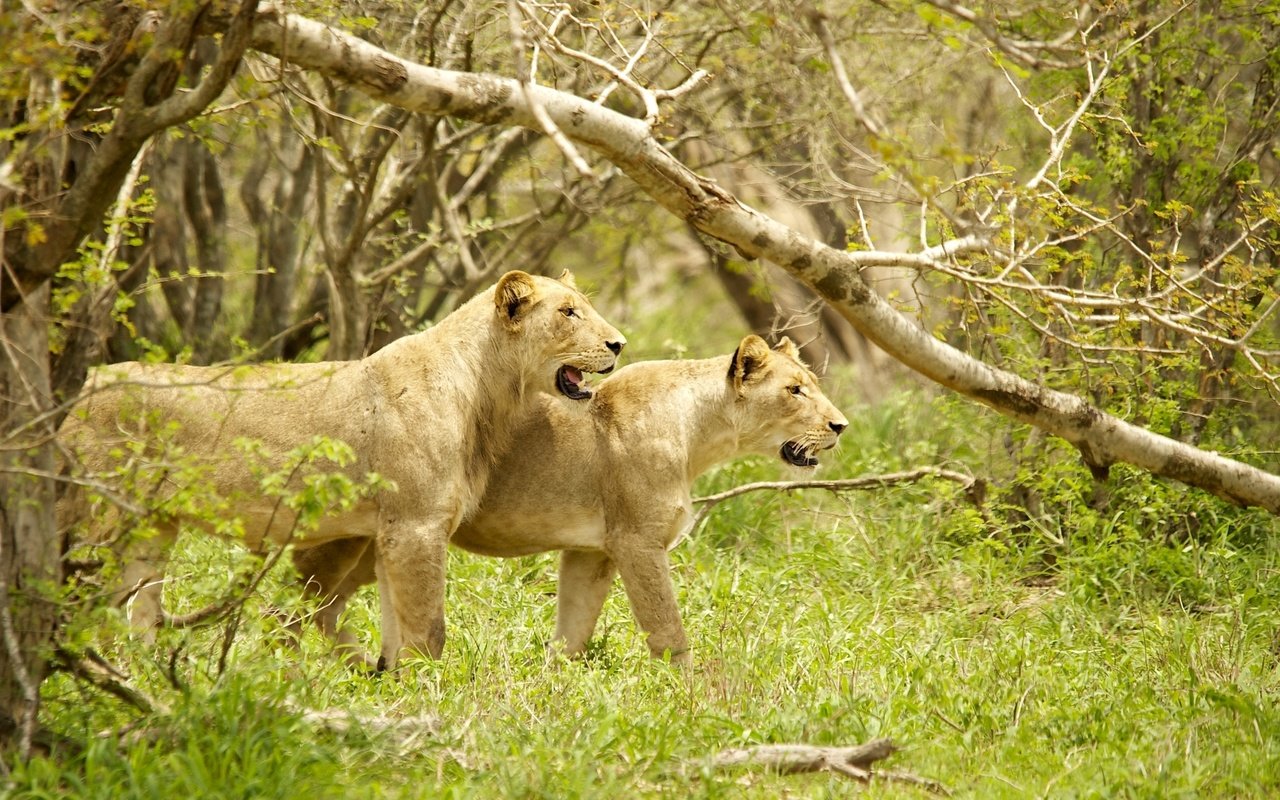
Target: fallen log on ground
pixel 854 762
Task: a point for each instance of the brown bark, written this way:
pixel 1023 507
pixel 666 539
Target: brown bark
pixel 168 235
pixel 29 544
pixel 206 207
pixel 29 550
pixel 278 225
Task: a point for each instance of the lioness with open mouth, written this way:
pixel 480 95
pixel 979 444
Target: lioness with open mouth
pixel 429 413
pixel 608 483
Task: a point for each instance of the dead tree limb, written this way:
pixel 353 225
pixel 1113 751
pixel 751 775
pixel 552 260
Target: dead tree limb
pixel 340 720
pixel 1102 439
pixel 96 671
pixel 975 489
pixel 404 732
pixel 854 762
pixel 806 757
pixel 967 482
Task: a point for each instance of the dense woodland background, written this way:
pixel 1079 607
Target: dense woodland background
pixel 1108 169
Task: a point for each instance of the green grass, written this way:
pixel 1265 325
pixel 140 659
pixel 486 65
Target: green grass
pixel 1089 651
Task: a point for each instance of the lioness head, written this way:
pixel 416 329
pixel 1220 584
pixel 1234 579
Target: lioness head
pixel 783 409
pixel 557 327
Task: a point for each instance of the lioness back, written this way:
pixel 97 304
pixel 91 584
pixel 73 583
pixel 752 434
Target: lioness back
pixel 209 408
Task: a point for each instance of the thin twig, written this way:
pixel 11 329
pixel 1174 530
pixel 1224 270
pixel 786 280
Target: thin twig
pixel 97 486
pixel 974 487
pixel 851 96
pixel 526 78
pixel 845 484
pixel 239 594
pixel 901 776
pixel 1021 50
pixel 269 564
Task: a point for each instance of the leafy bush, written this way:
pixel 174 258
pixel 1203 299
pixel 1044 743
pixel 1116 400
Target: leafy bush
pixel 1090 644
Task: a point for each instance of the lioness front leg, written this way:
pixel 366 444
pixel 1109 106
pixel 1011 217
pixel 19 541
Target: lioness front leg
pixel 585 578
pixel 646 576
pixel 411 562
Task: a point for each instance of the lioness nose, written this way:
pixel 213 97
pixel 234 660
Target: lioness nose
pixel 838 427
pixel 616 347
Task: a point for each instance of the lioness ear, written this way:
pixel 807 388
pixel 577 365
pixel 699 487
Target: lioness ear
pixel 751 354
pixel 514 294
pixel 787 347
pixel 566 278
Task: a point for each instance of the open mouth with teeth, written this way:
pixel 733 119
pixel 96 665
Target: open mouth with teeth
pixel 569 381
pixel 796 455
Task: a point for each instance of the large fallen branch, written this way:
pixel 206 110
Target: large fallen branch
pixel 1101 438
pixel 854 762
pixel 405 732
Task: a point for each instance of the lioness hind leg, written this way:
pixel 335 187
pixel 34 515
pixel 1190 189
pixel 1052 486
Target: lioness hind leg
pixel 141 582
pixel 360 575
pixel 332 572
pixel 585 578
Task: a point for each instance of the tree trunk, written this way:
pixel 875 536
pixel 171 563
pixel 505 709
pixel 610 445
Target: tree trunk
pixel 29 555
pixel 149 105
pixel 278 248
pixel 628 142
pixel 29 542
pixel 168 235
pixel 206 207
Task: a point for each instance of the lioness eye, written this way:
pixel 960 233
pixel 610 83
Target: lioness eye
pixel 569 312
pixel 794 389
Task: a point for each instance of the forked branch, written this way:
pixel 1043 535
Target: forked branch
pixel 975 489
pixel 1101 438
pixel 853 762
pixel 96 671
pixel 623 76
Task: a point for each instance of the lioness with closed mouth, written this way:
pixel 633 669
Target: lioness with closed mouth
pixel 608 482
pixel 429 413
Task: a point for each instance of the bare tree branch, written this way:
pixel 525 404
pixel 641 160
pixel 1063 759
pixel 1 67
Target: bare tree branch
pixel 1026 52
pixel 527 79
pixel 851 95
pixel 98 672
pixel 1101 438
pixel 853 762
pixel 804 757
pixel 974 488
